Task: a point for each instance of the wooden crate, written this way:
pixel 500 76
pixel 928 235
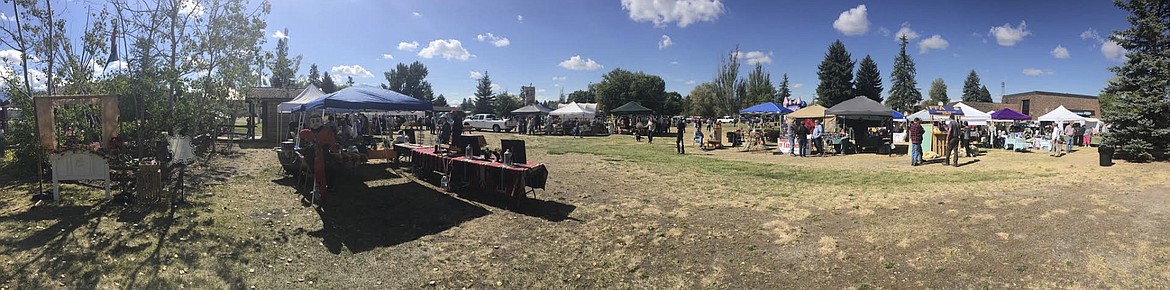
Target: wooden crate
pixel 149 184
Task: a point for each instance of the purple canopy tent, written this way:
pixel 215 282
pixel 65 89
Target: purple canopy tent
pixel 1008 114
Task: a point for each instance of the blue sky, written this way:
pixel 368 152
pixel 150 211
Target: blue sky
pixel 1015 42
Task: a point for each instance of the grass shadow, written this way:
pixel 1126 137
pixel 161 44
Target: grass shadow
pixel 362 219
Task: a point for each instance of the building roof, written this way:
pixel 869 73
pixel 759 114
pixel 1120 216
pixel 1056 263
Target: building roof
pixel 1051 94
pixel 263 93
pixel 989 107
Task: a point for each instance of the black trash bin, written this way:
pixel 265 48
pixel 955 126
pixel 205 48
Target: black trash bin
pixel 1106 154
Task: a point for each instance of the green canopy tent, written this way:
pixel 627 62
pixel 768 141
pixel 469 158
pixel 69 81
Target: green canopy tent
pixel 631 108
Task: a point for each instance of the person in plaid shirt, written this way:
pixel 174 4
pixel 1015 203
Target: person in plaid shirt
pixel 916 132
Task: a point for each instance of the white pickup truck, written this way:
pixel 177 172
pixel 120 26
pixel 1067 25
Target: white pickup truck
pixel 725 120
pixel 488 121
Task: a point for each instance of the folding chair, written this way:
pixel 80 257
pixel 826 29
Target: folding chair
pixel 537 179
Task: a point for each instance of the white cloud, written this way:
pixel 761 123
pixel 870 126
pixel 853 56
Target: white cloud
pixel 5 17
pixel 10 57
pixel 681 12
pixel 279 34
pixel 754 57
pixel 797 85
pixel 498 41
pixel 1034 72
pixel 934 42
pixel 190 7
pixel 448 49
pixel 416 14
pixel 496 88
pixel 884 31
pixel 690 82
pixel 578 63
pixel 408 46
pixel 387 56
pixel 1091 34
pixel 476 75
pixel 665 42
pixel 853 21
pixel 558 78
pixel 1060 52
pixel 541 90
pixel 1007 35
pixel 520 18
pixel 905 30
pixel 674 62
pixel 1112 51
pixel 357 71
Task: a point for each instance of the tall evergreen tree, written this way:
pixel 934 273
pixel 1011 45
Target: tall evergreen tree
pixel 314 75
pixel 783 92
pixel 327 84
pixel 440 101
pixel 759 86
pixel 1138 105
pixel 467 105
pixel 984 95
pixel 484 99
pixel 904 94
pixel 971 89
pixel 284 68
pixel 869 80
pixel 836 76
pixel 938 92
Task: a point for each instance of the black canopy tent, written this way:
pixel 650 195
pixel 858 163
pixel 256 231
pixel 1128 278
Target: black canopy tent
pixel 861 113
pixel 631 108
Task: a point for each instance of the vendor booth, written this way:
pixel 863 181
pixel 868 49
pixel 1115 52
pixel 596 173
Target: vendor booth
pixel 329 152
pixel 1061 115
pixel 867 124
pixel 972 115
pixel 624 113
pixel 533 116
pixel 814 112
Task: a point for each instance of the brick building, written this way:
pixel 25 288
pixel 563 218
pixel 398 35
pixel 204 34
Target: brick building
pixel 1038 103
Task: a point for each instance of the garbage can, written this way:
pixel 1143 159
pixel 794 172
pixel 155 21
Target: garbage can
pixel 1106 154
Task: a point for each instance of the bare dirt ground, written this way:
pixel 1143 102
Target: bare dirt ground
pixel 620 214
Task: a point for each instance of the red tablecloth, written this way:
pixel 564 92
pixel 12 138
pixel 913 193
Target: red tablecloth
pixel 479 175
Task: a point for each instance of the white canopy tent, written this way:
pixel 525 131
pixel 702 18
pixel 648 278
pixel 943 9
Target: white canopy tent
pixel 973 116
pixel 923 115
pixel 573 111
pixel 1061 115
pixel 309 94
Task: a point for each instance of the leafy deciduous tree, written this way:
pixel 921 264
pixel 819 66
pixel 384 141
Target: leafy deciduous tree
pixel 938 92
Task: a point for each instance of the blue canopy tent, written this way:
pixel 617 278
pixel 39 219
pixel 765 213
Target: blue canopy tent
pixel 366 99
pixel 899 117
pixel 765 108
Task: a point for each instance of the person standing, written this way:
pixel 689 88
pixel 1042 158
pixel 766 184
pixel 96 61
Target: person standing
pixel 1086 135
pixel 816 138
pixel 954 135
pixel 1054 138
pixel 678 141
pixel 802 140
pixel 792 129
pixel 1069 131
pixel 916 132
pixel 650 130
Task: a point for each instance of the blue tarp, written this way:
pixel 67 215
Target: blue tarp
pixel 944 110
pixel 366 99
pixel 765 108
pixel 899 116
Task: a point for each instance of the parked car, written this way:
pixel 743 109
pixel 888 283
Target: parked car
pixel 725 120
pixel 489 121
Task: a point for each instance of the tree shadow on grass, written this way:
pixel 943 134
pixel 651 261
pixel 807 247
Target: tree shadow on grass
pixel 362 219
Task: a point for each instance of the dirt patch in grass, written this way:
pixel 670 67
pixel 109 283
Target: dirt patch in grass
pixel 619 214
